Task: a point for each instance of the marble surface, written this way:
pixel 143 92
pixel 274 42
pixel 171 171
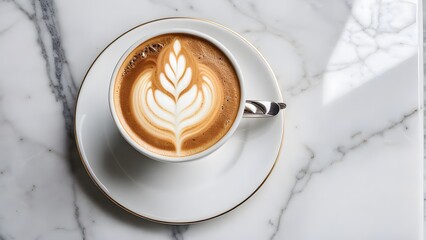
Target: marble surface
pixel 351 167
pixel 424 113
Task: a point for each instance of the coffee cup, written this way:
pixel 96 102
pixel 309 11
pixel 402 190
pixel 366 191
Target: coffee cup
pixel 178 95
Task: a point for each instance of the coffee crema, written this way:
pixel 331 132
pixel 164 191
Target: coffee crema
pixel 176 94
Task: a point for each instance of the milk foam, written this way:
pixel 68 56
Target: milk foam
pixel 173 101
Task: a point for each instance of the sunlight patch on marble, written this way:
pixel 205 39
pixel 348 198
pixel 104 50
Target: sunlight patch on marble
pixel 377 38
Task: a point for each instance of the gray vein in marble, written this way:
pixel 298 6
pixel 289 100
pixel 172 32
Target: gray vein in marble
pixel 63 229
pixel 6 29
pixel 19 7
pixel 23 138
pixel 300 175
pixel 56 229
pixel 306 78
pixel 323 11
pixel 189 6
pixel 63 87
pixel 304 175
pixel 164 4
pixel 178 231
pixel 356 134
pixel 43 17
pixel 309 80
pixel 61 82
pixel 77 213
pixel 373 30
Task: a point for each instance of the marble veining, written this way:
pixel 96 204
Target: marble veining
pixel 366 38
pixel 61 82
pixel 178 231
pixel 350 164
pixel 306 173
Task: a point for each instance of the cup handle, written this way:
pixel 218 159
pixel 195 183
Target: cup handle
pixel 262 109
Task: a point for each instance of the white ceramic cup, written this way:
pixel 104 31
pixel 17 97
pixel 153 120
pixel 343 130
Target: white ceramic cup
pixel 207 151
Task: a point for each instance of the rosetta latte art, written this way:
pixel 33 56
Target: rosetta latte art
pixel 174 100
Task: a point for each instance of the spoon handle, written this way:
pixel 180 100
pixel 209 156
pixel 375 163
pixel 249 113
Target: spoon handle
pixel 262 109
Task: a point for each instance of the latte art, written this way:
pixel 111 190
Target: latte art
pixel 177 95
pixel 179 106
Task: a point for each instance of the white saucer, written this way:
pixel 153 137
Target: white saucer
pixel 178 193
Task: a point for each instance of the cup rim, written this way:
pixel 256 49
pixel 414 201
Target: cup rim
pixel 198 155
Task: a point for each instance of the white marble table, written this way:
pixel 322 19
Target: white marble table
pixel 352 162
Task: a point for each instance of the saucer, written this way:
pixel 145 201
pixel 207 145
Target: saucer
pixel 188 192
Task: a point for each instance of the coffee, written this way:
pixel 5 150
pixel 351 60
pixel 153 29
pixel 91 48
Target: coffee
pixel 176 94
